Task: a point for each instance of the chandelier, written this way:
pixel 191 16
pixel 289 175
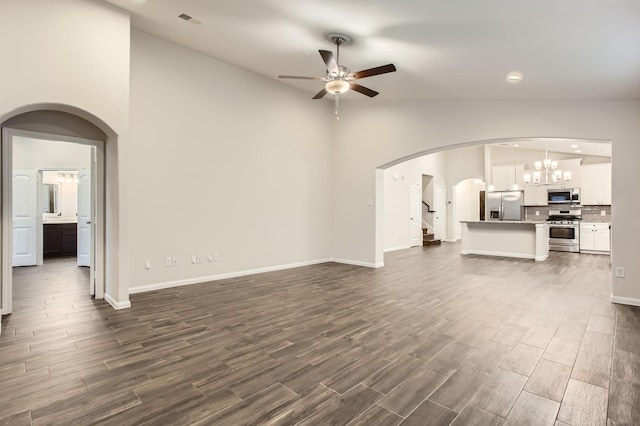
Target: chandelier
pixel 552 175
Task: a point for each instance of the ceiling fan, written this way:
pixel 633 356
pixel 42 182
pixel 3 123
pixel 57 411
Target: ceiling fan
pixel 339 79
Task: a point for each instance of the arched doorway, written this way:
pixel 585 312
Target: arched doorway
pixel 454 165
pixel 68 124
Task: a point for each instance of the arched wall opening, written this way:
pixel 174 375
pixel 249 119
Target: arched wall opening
pixel 68 123
pixel 471 160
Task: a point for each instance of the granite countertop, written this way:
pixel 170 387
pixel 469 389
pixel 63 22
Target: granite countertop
pixel 523 222
pixel 596 221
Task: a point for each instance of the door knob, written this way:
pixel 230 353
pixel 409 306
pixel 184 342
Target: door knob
pixel 88 222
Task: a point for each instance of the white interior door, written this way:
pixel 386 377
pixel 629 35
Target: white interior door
pixel 415 215
pixel 84 218
pixel 25 213
pixel 440 216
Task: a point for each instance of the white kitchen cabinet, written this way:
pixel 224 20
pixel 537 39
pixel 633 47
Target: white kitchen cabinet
pixel 506 175
pixel 535 195
pixel 596 184
pixel 595 237
pixel 573 166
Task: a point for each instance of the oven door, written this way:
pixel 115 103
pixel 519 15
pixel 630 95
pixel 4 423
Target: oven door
pixel 564 238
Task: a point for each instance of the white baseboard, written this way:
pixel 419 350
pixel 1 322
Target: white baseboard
pixel 358 263
pixel 204 279
pixel 624 300
pixel 387 250
pixel 450 240
pixel 116 305
pixel 498 253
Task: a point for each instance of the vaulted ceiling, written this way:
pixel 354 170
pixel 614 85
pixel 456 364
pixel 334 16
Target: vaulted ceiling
pixel 444 50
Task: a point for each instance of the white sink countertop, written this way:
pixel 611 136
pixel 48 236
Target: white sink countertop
pixel 59 219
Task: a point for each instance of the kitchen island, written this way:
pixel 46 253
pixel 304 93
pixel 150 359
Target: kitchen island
pixel 522 239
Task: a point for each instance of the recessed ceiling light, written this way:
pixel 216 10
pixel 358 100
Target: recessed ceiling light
pixel 516 145
pixel 574 146
pixel 578 151
pixel 514 77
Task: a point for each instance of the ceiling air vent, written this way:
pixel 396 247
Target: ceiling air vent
pixel 190 19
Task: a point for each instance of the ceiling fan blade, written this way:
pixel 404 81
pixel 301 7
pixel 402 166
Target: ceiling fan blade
pixel 375 71
pixel 297 77
pixel 320 94
pixel 330 61
pixel 364 90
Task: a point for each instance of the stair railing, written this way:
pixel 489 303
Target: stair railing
pixel 428 207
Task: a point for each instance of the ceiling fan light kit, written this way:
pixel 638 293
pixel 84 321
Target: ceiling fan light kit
pixel 337 87
pixel 339 79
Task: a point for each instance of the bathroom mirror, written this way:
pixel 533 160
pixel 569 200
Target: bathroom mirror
pixel 51 198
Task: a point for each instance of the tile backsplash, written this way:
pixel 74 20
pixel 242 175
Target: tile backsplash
pixel 589 213
pixel 595 213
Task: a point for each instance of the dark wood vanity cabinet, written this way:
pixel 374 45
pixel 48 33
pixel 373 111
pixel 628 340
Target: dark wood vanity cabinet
pixel 59 239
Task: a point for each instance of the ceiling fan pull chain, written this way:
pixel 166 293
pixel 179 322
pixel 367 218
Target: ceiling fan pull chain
pixel 337 97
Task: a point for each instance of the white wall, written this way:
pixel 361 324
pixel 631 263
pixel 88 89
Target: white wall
pixel 224 162
pixel 65 52
pixel 416 126
pixel 29 153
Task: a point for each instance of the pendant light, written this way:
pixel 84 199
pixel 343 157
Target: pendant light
pixel 550 168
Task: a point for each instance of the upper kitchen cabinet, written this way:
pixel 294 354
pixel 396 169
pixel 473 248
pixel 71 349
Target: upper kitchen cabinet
pixel 505 176
pixel 596 184
pixel 535 195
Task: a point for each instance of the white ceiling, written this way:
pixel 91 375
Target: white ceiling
pixel 443 49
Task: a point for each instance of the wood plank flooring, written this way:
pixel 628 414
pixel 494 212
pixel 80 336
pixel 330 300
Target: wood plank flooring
pixel 432 338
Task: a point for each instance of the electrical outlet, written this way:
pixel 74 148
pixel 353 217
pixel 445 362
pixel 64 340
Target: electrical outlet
pixel 216 257
pixel 167 261
pixel 194 260
pixel 198 258
pixel 210 257
pixel 147 264
pixel 174 261
pixel 619 272
pixel 537 213
pixel 603 212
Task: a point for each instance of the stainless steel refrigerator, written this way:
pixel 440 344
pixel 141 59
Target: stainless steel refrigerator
pixel 504 205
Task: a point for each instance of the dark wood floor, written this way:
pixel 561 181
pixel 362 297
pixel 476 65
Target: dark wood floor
pixel 432 338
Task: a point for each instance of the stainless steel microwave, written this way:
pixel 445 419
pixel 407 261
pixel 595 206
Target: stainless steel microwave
pixel 563 196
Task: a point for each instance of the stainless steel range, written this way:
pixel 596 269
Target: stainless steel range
pixel 564 230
